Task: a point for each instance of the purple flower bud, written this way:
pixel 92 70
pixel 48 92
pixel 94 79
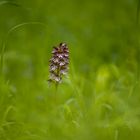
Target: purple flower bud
pixel 59 63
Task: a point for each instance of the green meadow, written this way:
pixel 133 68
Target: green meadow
pixel 99 99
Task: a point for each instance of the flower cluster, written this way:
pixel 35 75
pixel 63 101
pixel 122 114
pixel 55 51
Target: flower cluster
pixel 59 63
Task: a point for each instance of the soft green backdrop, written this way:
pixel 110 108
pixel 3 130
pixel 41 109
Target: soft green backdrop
pixel 100 99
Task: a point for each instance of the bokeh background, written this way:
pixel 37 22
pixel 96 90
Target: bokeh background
pixel 99 99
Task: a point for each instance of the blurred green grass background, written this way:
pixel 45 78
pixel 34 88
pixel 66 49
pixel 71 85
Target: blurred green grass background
pixel 99 100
